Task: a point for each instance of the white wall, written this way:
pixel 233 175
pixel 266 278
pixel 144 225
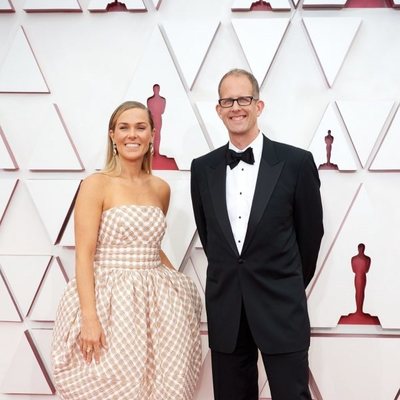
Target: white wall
pixel 54 109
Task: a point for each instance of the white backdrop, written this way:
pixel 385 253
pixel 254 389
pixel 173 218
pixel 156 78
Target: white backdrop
pixel 63 73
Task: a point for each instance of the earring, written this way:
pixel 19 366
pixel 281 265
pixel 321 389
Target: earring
pixel 115 150
pixel 151 148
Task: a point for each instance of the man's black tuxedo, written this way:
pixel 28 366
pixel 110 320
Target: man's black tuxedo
pixel 279 252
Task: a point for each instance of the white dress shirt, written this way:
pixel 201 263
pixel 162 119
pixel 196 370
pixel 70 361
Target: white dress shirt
pixel 240 186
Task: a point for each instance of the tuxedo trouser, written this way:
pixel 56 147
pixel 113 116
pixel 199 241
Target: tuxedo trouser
pixel 235 375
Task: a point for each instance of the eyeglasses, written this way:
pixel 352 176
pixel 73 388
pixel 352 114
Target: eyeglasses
pixel 242 101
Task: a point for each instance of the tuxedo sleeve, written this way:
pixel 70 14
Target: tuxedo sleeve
pixel 197 204
pixel 308 216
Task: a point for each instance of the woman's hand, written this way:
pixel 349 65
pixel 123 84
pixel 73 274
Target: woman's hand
pixel 92 339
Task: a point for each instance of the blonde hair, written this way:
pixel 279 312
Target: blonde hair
pixel 113 165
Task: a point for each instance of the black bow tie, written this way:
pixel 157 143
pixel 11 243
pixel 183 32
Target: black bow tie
pixel 233 158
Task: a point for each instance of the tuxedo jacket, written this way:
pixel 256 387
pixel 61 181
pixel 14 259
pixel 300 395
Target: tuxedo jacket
pixel 279 252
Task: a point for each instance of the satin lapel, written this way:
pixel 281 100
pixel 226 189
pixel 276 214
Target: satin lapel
pixel 217 182
pixel 268 175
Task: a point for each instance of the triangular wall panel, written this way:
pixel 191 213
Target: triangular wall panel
pixel 216 130
pixel 53 200
pixel 364 122
pixel 341 153
pixel 51 5
pixel 331 38
pixel 20 72
pixel 7 187
pixel 192 274
pixel 6 6
pixel 54 149
pixel 45 305
pixel 269 32
pixel 366 367
pixel 178 108
pixel 204 346
pixel 199 261
pixel 68 237
pixel 190 49
pixel 156 3
pixel 387 157
pixel 26 373
pixel 8 309
pixel 335 209
pixel 7 159
pixel 263 386
pixel 43 338
pixel 180 220
pixel 23 275
pixel 373 221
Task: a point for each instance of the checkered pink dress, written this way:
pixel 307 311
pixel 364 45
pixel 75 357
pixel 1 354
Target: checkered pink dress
pixel 150 315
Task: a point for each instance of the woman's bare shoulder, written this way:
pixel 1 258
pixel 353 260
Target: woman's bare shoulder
pixel 96 179
pixel 162 190
pixel 94 186
pixel 160 184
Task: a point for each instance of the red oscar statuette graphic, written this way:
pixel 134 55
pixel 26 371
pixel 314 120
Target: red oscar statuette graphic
pixel 260 6
pixel 329 142
pixel 116 6
pixel 157 105
pixel 360 264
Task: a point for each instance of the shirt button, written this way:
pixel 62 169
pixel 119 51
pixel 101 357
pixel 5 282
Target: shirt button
pixel 240 193
pixel 240 217
pixel 239 241
pixel 242 169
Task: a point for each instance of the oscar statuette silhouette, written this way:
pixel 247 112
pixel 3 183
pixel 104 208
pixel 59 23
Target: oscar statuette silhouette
pixel 328 142
pixel 360 263
pixel 157 105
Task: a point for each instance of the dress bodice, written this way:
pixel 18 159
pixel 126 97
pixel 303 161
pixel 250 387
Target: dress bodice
pixel 130 237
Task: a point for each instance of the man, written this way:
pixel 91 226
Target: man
pixel 259 217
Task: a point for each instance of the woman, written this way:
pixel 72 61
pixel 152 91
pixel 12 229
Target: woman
pixel 128 325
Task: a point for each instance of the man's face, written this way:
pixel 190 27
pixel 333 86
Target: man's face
pixel 239 120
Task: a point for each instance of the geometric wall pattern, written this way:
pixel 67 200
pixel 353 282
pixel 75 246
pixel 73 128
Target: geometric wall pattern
pixel 329 78
pixel 331 39
pixel 6 6
pixel 341 152
pixel 19 71
pixel 7 160
pixel 51 132
pixel 52 6
pixel 270 35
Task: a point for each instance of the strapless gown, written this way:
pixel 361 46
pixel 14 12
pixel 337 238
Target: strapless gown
pixel 150 315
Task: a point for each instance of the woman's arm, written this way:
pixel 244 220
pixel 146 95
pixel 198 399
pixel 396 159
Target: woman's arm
pixel 88 210
pixel 165 195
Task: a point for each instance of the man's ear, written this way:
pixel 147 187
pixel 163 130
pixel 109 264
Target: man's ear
pixel 260 107
pixel 218 109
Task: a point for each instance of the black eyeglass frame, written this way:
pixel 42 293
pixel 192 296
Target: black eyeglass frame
pixel 247 101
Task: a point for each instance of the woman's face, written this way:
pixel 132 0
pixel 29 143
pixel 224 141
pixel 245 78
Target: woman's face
pixel 132 134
